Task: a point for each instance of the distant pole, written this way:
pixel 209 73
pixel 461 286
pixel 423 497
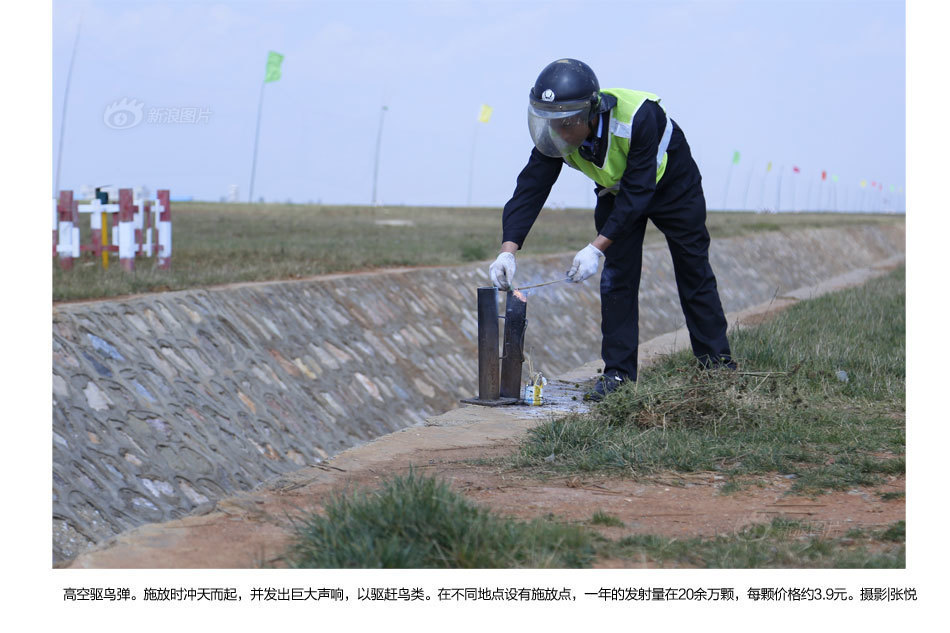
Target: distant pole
pixel 62 122
pixel 794 199
pixel 471 166
pixel 778 191
pixel 272 73
pixel 735 161
pixel 257 134
pixel 725 193
pixel 748 184
pixel 484 116
pixel 379 140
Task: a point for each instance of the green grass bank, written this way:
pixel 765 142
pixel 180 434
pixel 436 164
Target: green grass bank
pixel 819 397
pixel 218 243
pixel 415 522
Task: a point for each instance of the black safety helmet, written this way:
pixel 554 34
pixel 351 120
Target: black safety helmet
pixel 568 83
pixel 565 94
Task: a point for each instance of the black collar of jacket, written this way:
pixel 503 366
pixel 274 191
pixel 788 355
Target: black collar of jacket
pixel 598 153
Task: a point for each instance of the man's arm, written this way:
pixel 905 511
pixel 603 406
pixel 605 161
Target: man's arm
pixel 534 185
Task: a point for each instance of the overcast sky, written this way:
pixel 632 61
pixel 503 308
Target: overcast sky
pixel 815 84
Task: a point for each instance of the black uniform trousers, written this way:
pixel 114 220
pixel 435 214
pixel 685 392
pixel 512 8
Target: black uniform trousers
pixel 683 221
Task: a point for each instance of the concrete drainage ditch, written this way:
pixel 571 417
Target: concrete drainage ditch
pixel 164 403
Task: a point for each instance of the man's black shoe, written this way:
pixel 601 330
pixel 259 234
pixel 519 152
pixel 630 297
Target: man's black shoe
pixel 607 383
pixel 723 362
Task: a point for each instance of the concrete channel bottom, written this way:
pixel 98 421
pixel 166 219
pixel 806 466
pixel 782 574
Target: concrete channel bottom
pixel 163 405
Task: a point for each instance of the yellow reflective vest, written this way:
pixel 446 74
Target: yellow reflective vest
pixel 618 140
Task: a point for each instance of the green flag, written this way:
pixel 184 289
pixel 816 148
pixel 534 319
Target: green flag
pixel 273 66
pixel 735 157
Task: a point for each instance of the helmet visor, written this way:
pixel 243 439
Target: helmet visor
pixel 558 132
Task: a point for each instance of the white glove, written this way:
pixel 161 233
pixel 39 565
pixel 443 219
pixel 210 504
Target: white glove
pixel 586 263
pixel 502 271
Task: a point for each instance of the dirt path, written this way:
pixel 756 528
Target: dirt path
pixel 253 529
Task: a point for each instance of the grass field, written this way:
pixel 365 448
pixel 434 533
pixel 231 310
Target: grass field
pixel 819 396
pixel 418 522
pixel 217 243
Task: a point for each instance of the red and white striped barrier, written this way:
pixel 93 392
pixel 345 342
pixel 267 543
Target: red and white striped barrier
pixel 131 222
pixel 126 230
pixel 164 211
pixel 98 222
pixel 67 230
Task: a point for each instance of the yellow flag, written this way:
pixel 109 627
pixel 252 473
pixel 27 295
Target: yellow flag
pixel 485 114
pixel 769 166
pixel 864 183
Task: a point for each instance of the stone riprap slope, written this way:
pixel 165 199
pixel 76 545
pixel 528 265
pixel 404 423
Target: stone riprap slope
pixel 164 403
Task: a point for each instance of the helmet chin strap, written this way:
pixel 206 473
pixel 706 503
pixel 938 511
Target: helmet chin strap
pixel 596 110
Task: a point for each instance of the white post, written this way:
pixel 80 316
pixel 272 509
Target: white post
pixel 164 235
pixel 55 224
pixel 75 242
pixel 138 221
pixel 65 238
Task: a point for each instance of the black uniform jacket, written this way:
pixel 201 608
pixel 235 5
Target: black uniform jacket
pixel 639 192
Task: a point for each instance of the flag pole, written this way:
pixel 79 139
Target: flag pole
pixel 725 194
pixel 794 200
pixel 62 122
pixel 778 191
pixel 257 134
pixel 272 73
pixel 748 184
pixel 379 140
pixel 471 166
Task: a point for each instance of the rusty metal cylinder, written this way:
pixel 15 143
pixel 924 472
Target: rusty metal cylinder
pixel 488 387
pixel 516 308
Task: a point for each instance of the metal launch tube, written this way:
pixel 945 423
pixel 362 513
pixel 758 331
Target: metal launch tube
pixel 516 308
pixel 488 387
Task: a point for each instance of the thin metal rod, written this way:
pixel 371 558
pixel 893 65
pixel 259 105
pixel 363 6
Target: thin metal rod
pixel 471 167
pixel 546 283
pixel 62 121
pixel 379 140
pixel 257 133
